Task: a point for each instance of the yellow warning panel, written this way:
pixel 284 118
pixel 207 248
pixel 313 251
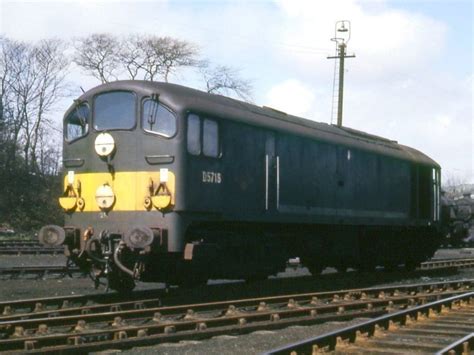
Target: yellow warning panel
pixel 130 188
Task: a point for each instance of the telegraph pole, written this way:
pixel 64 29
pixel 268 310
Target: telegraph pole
pixel 343 30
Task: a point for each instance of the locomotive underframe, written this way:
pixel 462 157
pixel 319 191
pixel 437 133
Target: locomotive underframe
pixel 246 250
pixel 240 250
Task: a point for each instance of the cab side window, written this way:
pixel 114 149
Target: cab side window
pixel 203 136
pixel 210 138
pixel 194 134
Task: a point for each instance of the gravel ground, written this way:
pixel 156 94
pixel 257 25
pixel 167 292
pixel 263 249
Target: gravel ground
pixel 252 343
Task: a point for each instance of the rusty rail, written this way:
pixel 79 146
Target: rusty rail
pixel 144 326
pixel 74 304
pixel 338 340
pixel 462 346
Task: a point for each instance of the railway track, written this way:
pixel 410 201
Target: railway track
pixel 38 272
pixel 442 327
pixel 18 242
pixel 31 251
pixel 59 326
pixel 27 247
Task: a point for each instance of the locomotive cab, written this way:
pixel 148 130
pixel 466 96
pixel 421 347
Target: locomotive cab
pixel 119 188
pixel 122 129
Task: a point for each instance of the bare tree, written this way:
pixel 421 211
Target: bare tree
pixel 152 58
pixel 146 57
pixel 151 51
pixel 13 64
pixel 156 57
pixel 98 55
pixel 4 87
pixel 32 78
pixel 51 68
pixel 132 55
pixel 4 102
pixel 226 81
pixel 49 153
pixel 176 54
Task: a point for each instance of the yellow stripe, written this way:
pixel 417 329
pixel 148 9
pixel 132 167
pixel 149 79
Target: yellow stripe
pixel 130 188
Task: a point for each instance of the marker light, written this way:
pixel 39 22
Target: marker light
pixel 105 197
pixel 104 144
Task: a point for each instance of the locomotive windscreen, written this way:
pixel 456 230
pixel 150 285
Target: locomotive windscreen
pixel 77 123
pixel 158 119
pixel 114 110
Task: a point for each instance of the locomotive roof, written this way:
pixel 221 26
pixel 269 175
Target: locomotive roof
pixel 184 99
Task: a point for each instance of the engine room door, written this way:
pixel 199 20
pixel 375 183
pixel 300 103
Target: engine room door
pixel 271 173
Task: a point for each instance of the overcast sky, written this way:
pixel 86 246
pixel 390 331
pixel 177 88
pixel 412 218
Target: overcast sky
pixel 411 79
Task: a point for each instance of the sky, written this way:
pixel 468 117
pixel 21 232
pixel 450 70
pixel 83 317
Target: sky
pixel 411 79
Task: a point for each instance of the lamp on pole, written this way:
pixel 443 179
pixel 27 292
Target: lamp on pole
pixel 342 35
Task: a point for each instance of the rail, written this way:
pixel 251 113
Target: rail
pixel 92 329
pixel 330 341
pixel 462 346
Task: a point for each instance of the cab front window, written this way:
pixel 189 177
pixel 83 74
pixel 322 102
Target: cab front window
pixel 158 119
pixel 77 123
pixel 114 110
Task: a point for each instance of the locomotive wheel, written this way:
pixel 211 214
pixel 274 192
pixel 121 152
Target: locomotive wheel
pixel 189 277
pixel 256 278
pixel 314 269
pixel 192 281
pixel 411 265
pixel 390 266
pixel 341 268
pixel 120 283
pixel 367 267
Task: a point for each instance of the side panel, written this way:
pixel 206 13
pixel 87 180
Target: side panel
pixel 272 176
pixel 307 176
pixel 340 184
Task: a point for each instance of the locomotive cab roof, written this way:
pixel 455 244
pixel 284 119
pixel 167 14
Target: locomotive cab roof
pixel 183 99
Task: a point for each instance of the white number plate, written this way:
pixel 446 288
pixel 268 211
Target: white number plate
pixel 211 177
